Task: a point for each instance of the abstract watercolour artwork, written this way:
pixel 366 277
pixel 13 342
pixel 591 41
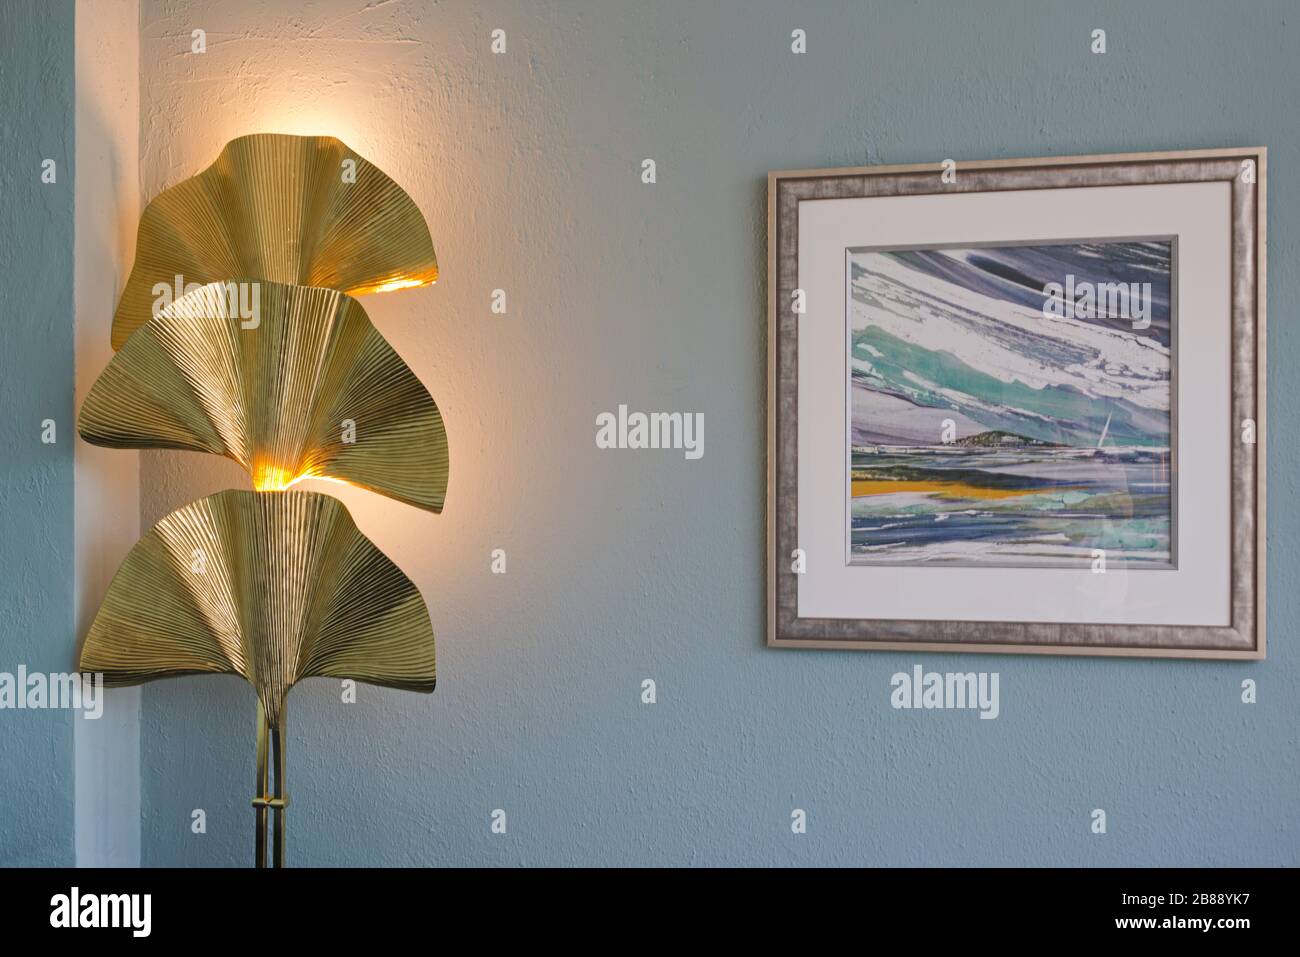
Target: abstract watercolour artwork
pixel 1010 405
pixel 1018 406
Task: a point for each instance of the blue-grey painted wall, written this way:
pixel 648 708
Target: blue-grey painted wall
pixel 36 383
pixel 625 565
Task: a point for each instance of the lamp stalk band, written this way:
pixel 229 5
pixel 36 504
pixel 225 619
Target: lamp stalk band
pixel 270 743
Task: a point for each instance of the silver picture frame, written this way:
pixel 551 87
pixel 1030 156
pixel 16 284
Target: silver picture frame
pixel 1246 170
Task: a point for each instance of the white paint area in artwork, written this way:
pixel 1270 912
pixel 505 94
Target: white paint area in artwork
pixel 1127 365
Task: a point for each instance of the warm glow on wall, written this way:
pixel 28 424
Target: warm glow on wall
pixel 396 284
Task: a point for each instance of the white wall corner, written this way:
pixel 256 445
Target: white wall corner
pixel 107 512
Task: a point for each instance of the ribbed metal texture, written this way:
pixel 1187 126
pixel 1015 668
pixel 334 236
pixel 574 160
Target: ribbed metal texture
pixel 268 362
pixel 274 586
pixel 313 390
pixel 282 208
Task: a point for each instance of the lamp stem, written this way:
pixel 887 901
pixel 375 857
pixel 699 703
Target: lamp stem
pixel 281 803
pixel 270 743
pixel 260 789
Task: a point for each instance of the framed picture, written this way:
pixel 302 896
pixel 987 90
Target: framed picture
pixel 1018 406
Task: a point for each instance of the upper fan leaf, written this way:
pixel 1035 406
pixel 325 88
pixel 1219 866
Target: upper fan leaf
pixel 294 209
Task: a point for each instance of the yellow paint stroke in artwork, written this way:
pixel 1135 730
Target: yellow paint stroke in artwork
pixel 947 489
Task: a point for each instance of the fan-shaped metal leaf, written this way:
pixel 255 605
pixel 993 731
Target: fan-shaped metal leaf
pixel 282 208
pixel 313 390
pixel 274 586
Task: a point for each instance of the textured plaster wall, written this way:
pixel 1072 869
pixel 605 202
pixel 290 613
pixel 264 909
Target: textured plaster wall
pixel 627 565
pixel 36 383
pixel 108 480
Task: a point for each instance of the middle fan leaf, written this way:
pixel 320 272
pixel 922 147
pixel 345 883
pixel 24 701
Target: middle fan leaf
pixel 302 386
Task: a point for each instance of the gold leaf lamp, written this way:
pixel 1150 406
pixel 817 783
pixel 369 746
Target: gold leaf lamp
pixel 305 210
pixel 273 586
pixel 307 388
